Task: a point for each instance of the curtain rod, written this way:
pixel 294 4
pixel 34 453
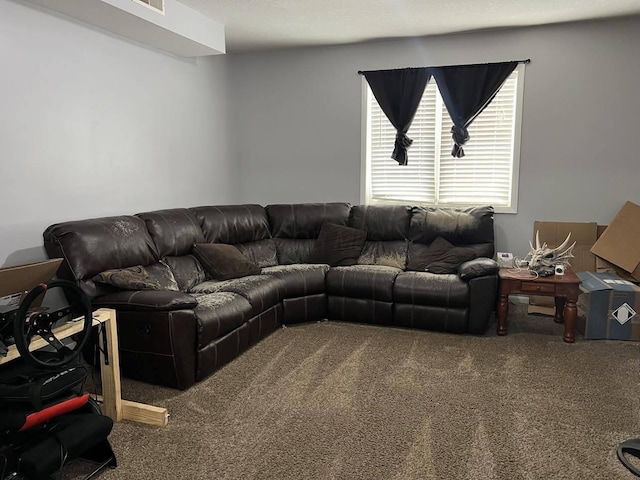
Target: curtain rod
pixel 525 61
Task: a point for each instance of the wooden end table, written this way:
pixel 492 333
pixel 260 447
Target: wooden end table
pixel 565 288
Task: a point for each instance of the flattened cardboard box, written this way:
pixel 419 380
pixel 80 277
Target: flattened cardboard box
pixel 16 281
pixel 553 234
pixel 608 307
pixel 603 266
pixel 620 242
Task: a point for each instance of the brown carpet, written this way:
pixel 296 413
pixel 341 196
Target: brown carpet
pixel 336 400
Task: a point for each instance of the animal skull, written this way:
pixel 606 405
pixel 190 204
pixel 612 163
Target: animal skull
pixel 544 257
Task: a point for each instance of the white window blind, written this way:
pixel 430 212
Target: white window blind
pixel 484 176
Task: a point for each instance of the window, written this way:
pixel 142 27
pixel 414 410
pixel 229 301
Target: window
pixel 157 5
pixel 487 175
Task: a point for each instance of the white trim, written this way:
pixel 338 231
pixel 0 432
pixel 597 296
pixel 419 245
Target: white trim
pixel 366 157
pixel 515 173
pixel 365 134
pixel 438 145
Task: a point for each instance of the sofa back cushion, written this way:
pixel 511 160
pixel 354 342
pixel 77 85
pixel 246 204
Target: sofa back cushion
pixel 95 245
pixel 389 253
pixel 304 220
pixel 295 227
pixel 292 250
pixel 439 257
pixel 460 226
pixel 338 245
pixel 382 222
pixel 187 271
pixel 472 227
pixel 387 229
pixel 173 231
pixel 244 226
pixel 232 224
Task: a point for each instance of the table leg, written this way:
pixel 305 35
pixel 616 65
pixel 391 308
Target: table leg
pixel 502 311
pixel 570 314
pixel 110 374
pixel 112 403
pixel 559 316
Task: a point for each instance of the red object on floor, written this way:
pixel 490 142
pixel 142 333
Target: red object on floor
pixel 53 411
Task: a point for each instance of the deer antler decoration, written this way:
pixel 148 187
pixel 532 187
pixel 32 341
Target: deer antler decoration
pixel 542 257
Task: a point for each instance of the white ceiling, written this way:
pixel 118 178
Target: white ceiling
pixel 264 24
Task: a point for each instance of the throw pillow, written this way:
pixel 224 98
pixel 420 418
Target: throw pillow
pixel 338 245
pixel 439 257
pixel 223 261
pixel 157 276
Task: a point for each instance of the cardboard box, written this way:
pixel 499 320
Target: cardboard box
pixel 16 282
pixel 619 244
pixel 607 267
pixel 608 307
pixel 553 234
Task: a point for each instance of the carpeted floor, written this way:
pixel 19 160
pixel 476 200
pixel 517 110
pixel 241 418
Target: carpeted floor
pixel 336 400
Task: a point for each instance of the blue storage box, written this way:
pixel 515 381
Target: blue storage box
pixel 608 307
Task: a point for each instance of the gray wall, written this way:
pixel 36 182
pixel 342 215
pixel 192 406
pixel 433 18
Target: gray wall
pixel 94 125
pixel 297 114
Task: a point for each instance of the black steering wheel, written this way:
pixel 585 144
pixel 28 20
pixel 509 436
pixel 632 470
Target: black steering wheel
pixel 40 321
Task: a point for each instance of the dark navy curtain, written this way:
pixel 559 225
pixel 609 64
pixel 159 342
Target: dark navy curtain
pixel 466 91
pixel 398 93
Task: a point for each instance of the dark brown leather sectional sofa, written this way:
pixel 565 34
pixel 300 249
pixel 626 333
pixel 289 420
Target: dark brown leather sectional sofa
pixel 176 338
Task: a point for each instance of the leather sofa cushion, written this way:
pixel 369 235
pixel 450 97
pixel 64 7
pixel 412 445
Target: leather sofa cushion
pixel 232 224
pixel 460 226
pixel 262 291
pixel 146 300
pixel 221 351
pixel 439 257
pixel 187 271
pixel 437 290
pixel 262 252
pixel 224 262
pixel 392 253
pixel 304 220
pixel 480 267
pixel 428 317
pixel 338 245
pixel 361 310
pixel 173 231
pixel 310 308
pixel 219 313
pixel 293 250
pixel 93 246
pixel 382 222
pixel 374 282
pixel 299 280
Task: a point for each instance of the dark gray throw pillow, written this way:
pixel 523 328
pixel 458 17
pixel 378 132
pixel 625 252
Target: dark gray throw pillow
pixel 157 276
pixel 223 261
pixel 439 257
pixel 338 245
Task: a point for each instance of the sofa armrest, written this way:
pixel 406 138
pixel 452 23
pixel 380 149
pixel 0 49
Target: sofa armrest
pixel 478 267
pixel 483 292
pixel 146 300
